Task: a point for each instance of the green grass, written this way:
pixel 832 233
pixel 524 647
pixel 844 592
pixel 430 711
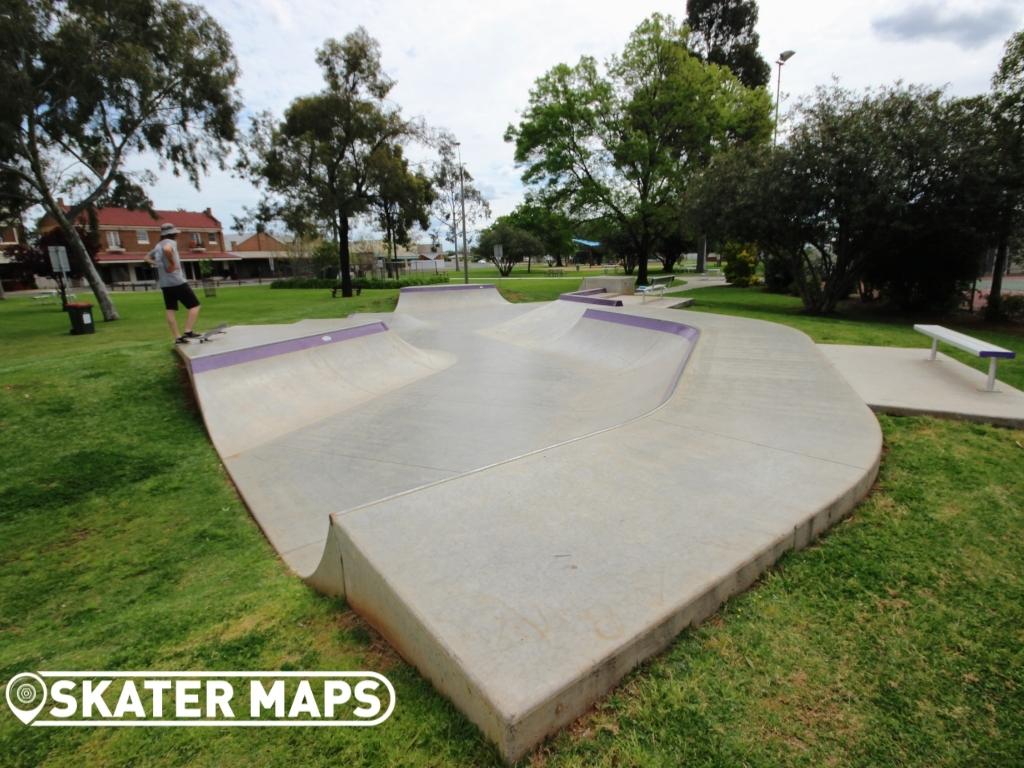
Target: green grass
pixel 894 641
pixel 856 324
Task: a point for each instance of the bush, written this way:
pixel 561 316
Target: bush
pixel 360 282
pixel 740 264
pixel 1013 306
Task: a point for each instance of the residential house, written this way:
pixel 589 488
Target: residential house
pixel 126 236
pixel 263 254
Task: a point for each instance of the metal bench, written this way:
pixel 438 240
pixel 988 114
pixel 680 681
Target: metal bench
pixel 967 343
pixel 655 285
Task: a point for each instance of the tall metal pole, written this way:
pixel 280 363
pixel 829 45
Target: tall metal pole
pixel 783 58
pixel 462 195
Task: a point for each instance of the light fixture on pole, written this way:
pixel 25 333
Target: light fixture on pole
pixel 462 197
pixel 783 58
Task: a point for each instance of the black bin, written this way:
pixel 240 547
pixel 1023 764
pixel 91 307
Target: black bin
pixel 80 313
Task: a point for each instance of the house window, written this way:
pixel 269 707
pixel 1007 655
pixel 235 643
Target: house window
pixel 213 238
pixel 197 240
pixel 113 239
pixel 142 236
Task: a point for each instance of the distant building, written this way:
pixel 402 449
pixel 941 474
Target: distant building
pixel 126 236
pixel 263 251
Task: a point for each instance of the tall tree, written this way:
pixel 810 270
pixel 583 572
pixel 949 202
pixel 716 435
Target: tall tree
pixel 723 32
pixel 319 162
pixel 90 82
pixel 403 196
pixel 449 186
pixel 1008 154
pixel 623 144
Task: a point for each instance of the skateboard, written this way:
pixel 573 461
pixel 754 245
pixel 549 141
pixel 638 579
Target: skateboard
pixel 208 336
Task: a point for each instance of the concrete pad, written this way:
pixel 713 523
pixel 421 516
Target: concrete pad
pixel 904 381
pixel 536 498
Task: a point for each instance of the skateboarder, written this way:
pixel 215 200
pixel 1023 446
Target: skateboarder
pixel 172 282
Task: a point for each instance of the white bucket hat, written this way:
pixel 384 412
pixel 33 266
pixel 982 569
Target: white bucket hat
pixel 168 229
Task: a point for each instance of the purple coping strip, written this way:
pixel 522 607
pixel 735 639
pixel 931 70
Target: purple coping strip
pixel 590 300
pixel 648 323
pixel 263 351
pixel 426 288
pixel 1008 354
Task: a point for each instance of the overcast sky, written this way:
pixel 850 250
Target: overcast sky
pixel 468 65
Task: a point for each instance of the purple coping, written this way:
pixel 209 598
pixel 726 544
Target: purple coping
pixel 263 351
pixel 1007 355
pixel 649 323
pixel 425 288
pixel 590 299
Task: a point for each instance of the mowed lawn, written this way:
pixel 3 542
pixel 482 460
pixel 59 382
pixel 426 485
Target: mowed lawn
pixel 896 640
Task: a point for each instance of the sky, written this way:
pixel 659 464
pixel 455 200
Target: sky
pixel 468 65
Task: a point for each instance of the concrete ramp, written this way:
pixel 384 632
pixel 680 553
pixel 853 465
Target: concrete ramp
pixel 547 499
pixel 443 298
pixel 253 394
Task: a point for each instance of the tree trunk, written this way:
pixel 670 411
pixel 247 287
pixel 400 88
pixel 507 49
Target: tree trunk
pixel 641 263
pixel 343 258
pixel 994 307
pixel 2 294
pixel 702 255
pixel 81 256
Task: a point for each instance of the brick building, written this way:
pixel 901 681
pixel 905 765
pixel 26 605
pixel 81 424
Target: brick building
pixel 126 236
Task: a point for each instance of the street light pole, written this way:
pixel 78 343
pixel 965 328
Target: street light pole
pixel 462 196
pixel 783 58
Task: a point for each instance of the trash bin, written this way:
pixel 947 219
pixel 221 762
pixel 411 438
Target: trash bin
pixel 80 313
pixel 209 288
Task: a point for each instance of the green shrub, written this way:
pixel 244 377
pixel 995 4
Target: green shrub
pixel 360 282
pixel 1013 306
pixel 740 264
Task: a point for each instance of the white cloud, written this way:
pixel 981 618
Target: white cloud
pixel 468 66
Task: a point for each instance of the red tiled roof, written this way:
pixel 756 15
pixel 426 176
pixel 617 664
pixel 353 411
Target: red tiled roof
pixel 122 217
pixel 104 257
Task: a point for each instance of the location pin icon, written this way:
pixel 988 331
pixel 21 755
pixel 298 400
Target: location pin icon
pixel 26 695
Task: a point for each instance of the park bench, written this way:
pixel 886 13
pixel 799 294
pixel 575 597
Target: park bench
pixel 969 344
pixel 45 297
pixel 655 285
pixel 556 272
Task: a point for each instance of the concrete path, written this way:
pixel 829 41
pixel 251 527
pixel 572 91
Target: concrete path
pixel 904 381
pixel 538 497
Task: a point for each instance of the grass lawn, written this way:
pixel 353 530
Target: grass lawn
pixel 897 640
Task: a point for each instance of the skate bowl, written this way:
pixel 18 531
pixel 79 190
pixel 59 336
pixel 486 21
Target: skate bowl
pixel 528 500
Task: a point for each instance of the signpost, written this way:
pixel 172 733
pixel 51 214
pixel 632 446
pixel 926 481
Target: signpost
pixel 61 270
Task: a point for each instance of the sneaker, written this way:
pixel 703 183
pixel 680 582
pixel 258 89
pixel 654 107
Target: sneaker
pixel 181 340
pixel 191 335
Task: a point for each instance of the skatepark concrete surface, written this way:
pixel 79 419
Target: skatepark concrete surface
pixel 904 381
pixel 528 500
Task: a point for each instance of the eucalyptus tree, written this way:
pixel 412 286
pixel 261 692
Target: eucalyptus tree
pixel 321 163
pixel 90 83
pixel 452 183
pixel 404 196
pixel 723 32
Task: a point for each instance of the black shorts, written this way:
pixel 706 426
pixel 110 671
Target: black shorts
pixel 182 293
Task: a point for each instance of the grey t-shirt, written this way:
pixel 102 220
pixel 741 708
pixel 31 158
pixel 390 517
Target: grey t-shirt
pixel 166 278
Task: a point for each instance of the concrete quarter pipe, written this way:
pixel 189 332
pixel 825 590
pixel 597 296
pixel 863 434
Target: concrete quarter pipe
pixel 529 500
